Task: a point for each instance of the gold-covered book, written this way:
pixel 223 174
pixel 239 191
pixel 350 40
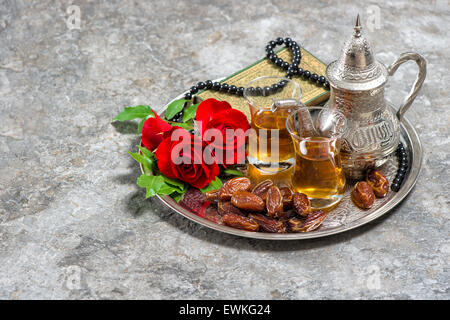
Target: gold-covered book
pixel 312 93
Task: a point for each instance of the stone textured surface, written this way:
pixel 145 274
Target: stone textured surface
pixel 73 224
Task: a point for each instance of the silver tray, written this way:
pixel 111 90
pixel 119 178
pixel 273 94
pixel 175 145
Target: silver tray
pixel 346 215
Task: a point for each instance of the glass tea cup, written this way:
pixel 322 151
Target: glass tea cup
pixel 271 150
pixel 316 133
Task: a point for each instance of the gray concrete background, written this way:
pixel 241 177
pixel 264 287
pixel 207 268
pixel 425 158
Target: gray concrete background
pixel 73 224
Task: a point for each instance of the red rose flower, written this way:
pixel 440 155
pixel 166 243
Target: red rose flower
pixel 228 126
pixel 186 157
pixel 154 131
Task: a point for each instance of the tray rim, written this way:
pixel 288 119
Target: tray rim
pixel 414 144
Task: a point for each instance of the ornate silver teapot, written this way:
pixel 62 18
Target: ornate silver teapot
pixel 357 84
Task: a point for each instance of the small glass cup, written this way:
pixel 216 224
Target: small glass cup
pixel 271 151
pixel 316 133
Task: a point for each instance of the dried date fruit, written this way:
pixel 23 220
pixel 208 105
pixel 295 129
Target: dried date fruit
pixel 301 204
pixel 193 200
pixel 247 201
pixel 286 193
pixel 212 196
pixel 225 207
pixel 261 188
pixel 362 195
pixel 268 224
pixel 240 222
pixel 286 215
pixel 233 185
pixel 295 224
pixel 310 223
pixel 378 182
pixel 274 202
pixel 313 221
pixel 211 213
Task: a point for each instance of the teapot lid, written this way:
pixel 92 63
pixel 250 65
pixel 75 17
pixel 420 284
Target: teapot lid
pixel 356 68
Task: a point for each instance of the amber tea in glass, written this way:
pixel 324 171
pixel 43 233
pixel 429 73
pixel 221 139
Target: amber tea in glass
pixel 318 173
pixel 271 150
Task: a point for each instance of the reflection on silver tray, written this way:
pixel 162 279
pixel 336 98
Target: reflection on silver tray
pixel 346 215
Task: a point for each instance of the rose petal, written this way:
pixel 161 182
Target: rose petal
pixel 230 119
pixel 163 156
pixel 197 175
pixel 153 132
pixel 207 109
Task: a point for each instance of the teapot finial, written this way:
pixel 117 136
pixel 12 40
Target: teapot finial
pixel 357 52
pixel 358 27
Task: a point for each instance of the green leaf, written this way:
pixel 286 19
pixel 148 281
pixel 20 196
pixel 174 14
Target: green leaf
pixel 175 107
pixel 161 185
pixel 233 172
pixel 177 196
pixel 186 126
pixel 166 190
pixel 180 186
pixel 146 158
pixel 146 152
pixel 214 185
pixel 189 112
pixel 130 113
pixel 141 159
pixel 172 187
pixel 152 183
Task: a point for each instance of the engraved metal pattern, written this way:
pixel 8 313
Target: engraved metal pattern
pixel 358 105
pixel 355 74
pixel 377 135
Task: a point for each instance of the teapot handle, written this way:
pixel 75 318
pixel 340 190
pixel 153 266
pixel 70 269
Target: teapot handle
pixel 422 64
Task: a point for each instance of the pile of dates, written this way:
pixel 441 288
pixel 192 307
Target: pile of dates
pixel 264 207
pixel 364 192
